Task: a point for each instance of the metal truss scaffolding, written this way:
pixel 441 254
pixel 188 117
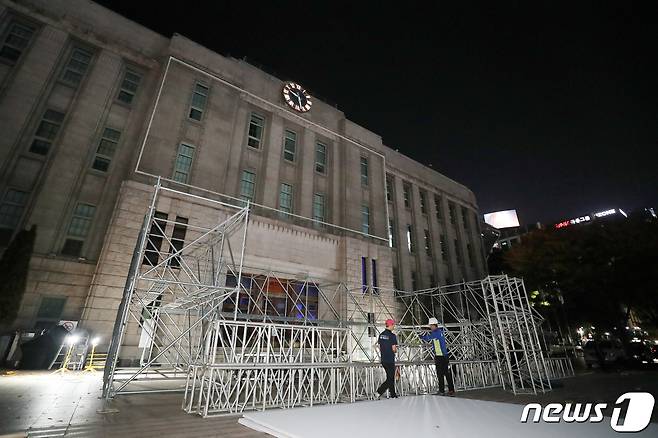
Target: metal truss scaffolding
pixel 235 338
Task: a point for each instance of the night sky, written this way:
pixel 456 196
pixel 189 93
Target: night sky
pixel 551 110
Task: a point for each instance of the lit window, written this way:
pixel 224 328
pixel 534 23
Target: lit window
pixel 255 134
pixel 129 85
pixel 199 98
pixel 285 198
pixel 410 239
pixel 320 157
pixel 17 39
pixel 183 163
pixel 364 171
pixel 247 186
pixel 365 219
pixel 46 132
pixel 78 229
pixel 318 207
pixel 106 149
pixel 77 65
pixel 289 145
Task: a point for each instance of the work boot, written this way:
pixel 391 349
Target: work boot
pixel 451 393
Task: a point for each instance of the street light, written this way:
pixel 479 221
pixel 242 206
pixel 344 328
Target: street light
pixel 72 339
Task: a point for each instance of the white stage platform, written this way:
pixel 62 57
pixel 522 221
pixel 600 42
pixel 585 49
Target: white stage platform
pixel 421 416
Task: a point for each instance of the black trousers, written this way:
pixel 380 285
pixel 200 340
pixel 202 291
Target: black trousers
pixel 389 383
pixel 443 370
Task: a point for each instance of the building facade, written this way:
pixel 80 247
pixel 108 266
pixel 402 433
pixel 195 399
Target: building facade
pixel 94 107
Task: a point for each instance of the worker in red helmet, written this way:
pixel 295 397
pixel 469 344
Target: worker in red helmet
pixel 388 346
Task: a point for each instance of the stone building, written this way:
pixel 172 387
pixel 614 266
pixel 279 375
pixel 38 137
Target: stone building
pixel 93 107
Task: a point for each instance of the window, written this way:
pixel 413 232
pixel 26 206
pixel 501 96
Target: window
pixel 129 85
pixel 392 234
pixel 410 239
pixel 255 133
pixel 414 281
pixel 364 171
pixel 365 219
pixel 423 202
pixel 406 194
pixel 247 186
pixel 106 149
pixel 453 214
pixel 12 207
pixel 374 276
pixel 438 211
pixel 199 99
pixel 11 211
pixel 321 158
pixel 285 198
pixel 444 248
pixel 389 188
pixel 76 67
pixel 364 274
pixel 183 163
pixel 46 132
pixel 318 207
pixel 471 257
pixel 155 238
pixel 465 218
pixel 177 240
pixel 433 281
pixel 458 253
pixel 428 243
pixel 78 229
pixel 51 308
pixel 17 39
pixel 289 145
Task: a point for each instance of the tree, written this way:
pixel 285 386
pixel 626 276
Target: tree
pixel 14 266
pixel 604 270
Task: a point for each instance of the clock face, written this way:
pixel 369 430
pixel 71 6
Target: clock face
pixel 296 97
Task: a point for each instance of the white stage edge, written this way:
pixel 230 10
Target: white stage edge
pixel 420 416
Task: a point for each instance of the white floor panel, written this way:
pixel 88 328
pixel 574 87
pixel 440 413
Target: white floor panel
pixel 421 416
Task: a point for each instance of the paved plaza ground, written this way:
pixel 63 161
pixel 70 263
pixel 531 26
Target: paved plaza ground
pixel 40 404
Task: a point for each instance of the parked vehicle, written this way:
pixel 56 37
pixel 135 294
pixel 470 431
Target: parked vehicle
pixel 603 353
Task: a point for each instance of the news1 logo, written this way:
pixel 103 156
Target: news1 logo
pixel 638 412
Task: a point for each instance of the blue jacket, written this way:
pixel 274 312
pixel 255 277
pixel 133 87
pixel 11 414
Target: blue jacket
pixel 438 341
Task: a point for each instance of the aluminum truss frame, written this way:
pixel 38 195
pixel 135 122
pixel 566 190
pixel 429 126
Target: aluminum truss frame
pixel 174 289
pixel 234 338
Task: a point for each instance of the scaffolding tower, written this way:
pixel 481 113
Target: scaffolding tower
pixel 216 330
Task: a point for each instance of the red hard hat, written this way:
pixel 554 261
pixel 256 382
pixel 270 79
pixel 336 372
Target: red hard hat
pixel 390 322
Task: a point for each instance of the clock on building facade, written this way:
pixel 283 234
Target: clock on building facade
pixel 296 97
